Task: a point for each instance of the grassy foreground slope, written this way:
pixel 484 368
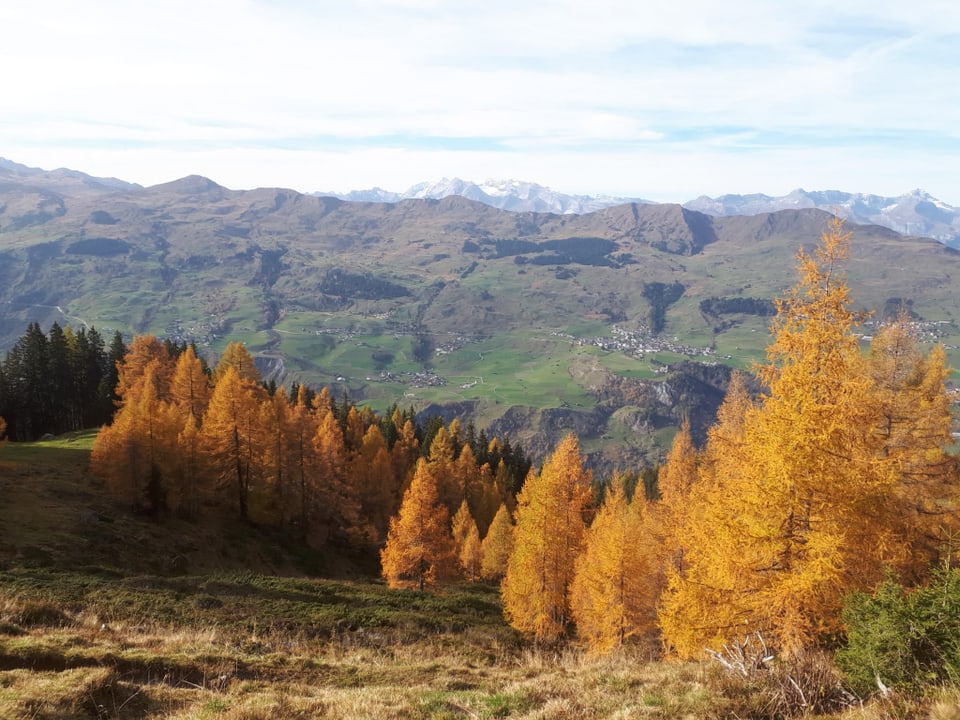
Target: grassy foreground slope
pixel 97 623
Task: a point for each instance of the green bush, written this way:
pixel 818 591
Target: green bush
pixel 904 639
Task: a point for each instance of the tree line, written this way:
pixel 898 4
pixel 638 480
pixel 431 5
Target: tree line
pixel 194 441
pixel 58 381
pixel 828 481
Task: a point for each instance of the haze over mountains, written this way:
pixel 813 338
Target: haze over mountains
pixel 913 213
pixel 614 323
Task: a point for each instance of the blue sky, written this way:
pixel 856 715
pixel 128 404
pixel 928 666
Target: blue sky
pixel 664 100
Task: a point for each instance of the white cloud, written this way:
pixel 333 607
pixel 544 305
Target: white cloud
pixel 231 89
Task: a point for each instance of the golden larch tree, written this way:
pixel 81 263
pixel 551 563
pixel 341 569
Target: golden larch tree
pixel 801 513
pixel 466 541
pixel 236 356
pixel 485 499
pixel 144 350
pixel 277 419
pixel 233 438
pixel 914 428
pixel 135 454
pixel 331 506
pixel 497 545
pixel 371 472
pixel 189 386
pixel 547 539
pixel 419 549
pixel 471 554
pixel 616 585
pixel 674 482
pixel 443 466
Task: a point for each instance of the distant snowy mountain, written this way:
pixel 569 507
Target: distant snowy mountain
pixel 915 213
pixel 504 194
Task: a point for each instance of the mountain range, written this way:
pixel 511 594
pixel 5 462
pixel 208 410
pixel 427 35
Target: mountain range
pixel 614 324
pixel 913 213
pixel 515 195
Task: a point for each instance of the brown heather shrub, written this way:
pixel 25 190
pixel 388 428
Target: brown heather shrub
pixel 761 686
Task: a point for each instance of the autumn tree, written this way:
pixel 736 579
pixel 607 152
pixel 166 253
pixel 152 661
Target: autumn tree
pixel 444 467
pixel 419 548
pixel 331 506
pixel 236 356
pixel 190 386
pixel 674 482
pixel 914 428
pixel 466 541
pixel 497 545
pixel 799 512
pixel 547 538
pixel 615 588
pixel 278 452
pixel 302 427
pixel 135 453
pixel 3 432
pixel 233 438
pixel 143 350
pixel 372 472
pixel 470 554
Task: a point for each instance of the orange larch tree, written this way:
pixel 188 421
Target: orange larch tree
pixel 233 438
pixel 134 455
pixel 547 539
pixel 616 586
pixel 801 513
pixel 143 350
pixel 331 506
pixel 914 426
pixel 419 549
pixel 189 386
pixel 466 541
pixel 236 356
pixel 497 545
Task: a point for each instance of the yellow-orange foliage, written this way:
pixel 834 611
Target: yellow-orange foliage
pixel 801 511
pixel 419 549
pixel 331 502
pixel 914 427
pixel 497 545
pixel 144 350
pixel 674 482
pixel 471 554
pixel 3 432
pixel 547 539
pixel 233 438
pixel 466 541
pixel 190 386
pixel 616 586
pixel 236 356
pixel 136 452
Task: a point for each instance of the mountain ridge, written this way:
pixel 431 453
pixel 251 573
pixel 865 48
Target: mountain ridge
pixel 916 212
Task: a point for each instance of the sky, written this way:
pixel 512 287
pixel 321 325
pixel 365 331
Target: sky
pixel 665 100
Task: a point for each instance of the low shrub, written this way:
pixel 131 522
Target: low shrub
pixel 903 639
pixel 759 685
